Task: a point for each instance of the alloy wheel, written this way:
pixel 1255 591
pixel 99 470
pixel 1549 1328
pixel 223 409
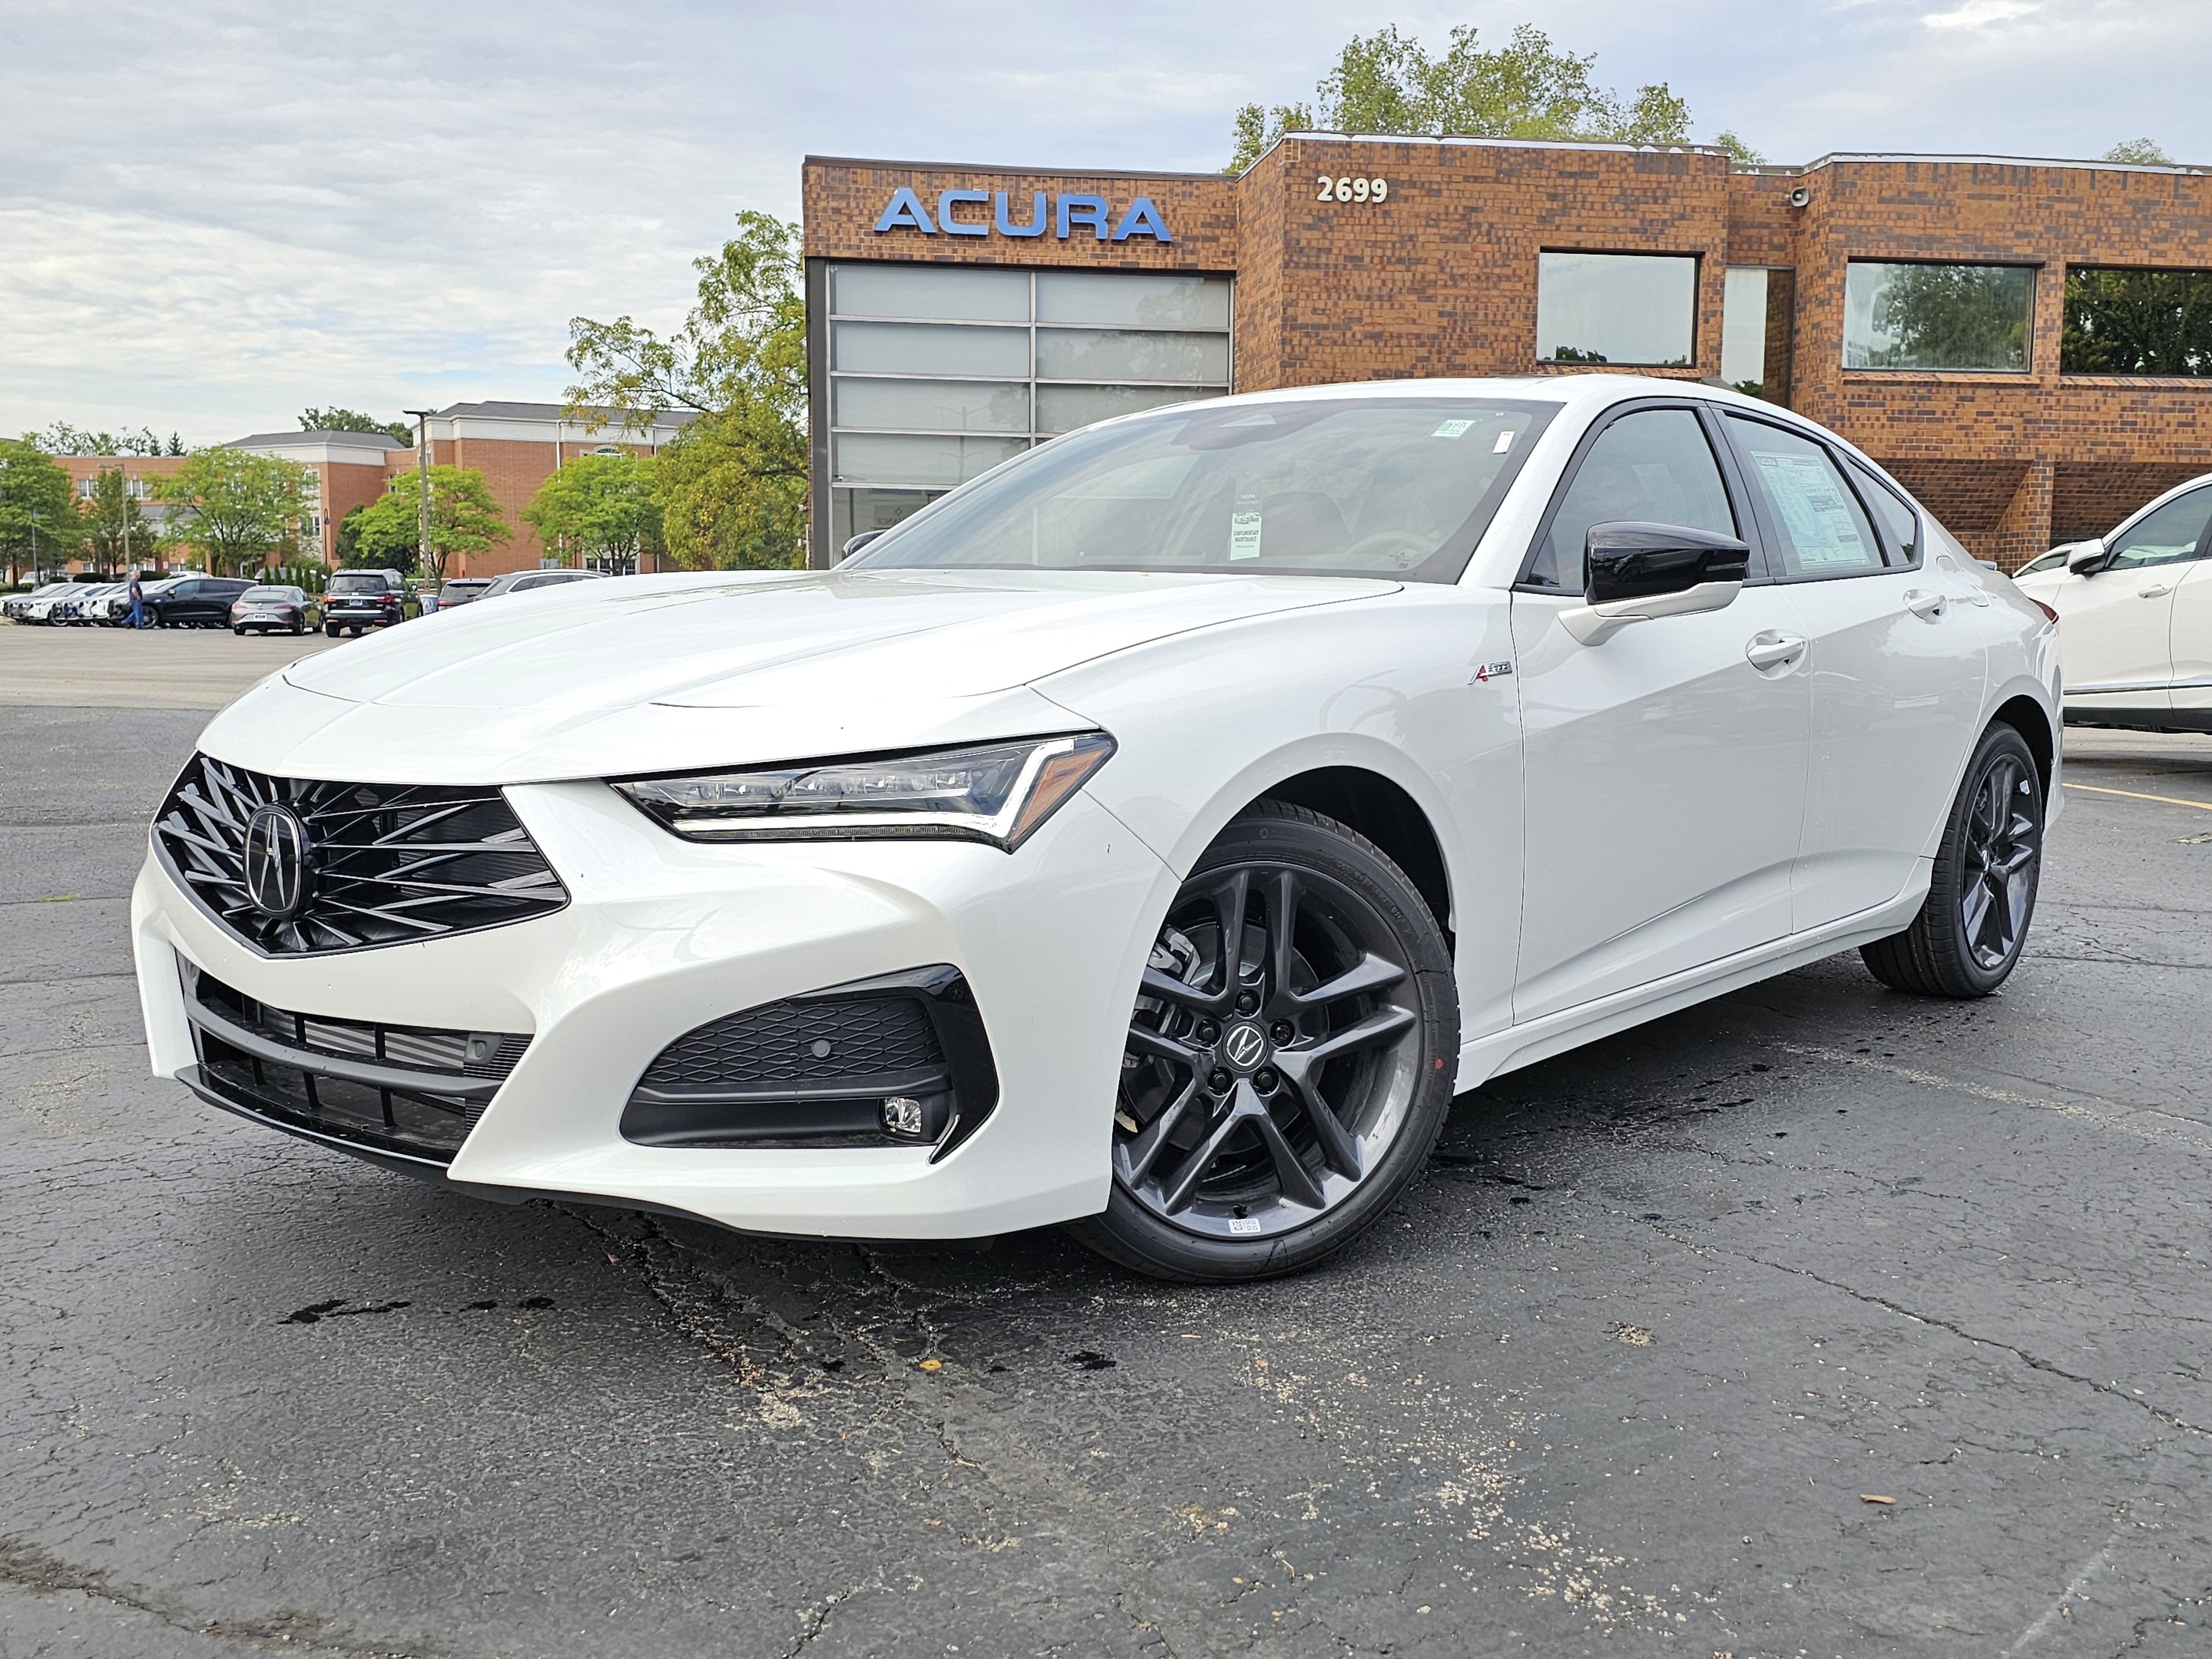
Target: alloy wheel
pixel 1272 1056
pixel 2003 836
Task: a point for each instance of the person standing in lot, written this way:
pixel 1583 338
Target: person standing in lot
pixel 137 603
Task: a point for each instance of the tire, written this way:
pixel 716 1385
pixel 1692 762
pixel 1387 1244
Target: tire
pixel 240 632
pixel 298 629
pixel 1261 1125
pixel 331 629
pixel 1969 934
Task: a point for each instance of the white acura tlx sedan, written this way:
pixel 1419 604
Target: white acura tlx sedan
pixel 1151 835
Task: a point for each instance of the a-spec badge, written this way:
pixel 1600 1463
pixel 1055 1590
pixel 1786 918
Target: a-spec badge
pixel 1486 672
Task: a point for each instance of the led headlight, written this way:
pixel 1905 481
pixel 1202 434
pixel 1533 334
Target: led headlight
pixel 999 793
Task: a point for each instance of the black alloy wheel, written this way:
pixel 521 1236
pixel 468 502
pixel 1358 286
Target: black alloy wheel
pixel 1289 1060
pixel 1968 936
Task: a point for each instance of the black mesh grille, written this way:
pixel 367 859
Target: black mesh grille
pixel 875 1037
pixel 388 862
pixel 412 1116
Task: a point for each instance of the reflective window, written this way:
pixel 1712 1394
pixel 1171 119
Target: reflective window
pixel 1638 308
pixel 1895 518
pixel 2171 534
pixel 1918 316
pixel 1757 311
pixel 1819 527
pixel 1651 467
pixel 1002 358
pixel 1395 486
pixel 2137 322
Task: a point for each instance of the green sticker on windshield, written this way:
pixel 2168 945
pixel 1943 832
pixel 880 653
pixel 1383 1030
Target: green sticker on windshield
pixel 1452 429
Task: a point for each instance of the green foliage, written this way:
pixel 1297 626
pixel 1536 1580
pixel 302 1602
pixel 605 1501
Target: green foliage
pixel 1953 317
pixel 732 485
pixel 463 519
pixel 598 506
pixel 238 509
pixel 2144 152
pixel 39 521
pixel 335 419
pixel 347 540
pixel 1575 354
pixel 63 439
pixel 2137 322
pixel 117 535
pixel 1388 82
pixel 1738 150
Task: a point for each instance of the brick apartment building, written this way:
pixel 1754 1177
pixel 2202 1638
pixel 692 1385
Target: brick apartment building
pixel 1917 304
pixel 516 446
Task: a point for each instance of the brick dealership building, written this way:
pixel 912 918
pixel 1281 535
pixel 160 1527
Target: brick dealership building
pixel 1928 308
pixel 516 446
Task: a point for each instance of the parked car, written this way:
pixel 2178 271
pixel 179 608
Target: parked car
pixel 194 602
pixel 355 599
pixel 529 581
pixel 89 607
pixel 2054 560
pixel 263 609
pixel 115 609
pixel 2134 608
pixel 41 604
pixel 12 607
pixel 1151 835
pixel 461 590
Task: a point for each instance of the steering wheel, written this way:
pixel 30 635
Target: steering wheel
pixel 1411 547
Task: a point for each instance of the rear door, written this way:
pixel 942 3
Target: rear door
pixel 2116 627
pixel 2191 637
pixel 1897 666
pixel 1664 769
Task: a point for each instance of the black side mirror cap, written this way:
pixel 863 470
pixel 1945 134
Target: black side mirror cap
pixel 1630 560
pixel 860 542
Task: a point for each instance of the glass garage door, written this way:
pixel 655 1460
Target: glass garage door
pixel 938 374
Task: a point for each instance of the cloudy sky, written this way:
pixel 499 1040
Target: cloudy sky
pixel 214 214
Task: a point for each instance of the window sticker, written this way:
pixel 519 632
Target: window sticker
pixel 1244 528
pixel 1814 513
pixel 1504 442
pixel 1452 429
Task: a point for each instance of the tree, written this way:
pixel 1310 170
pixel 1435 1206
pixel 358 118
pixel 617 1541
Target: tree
pixel 598 506
pixel 63 439
pixel 1953 317
pixel 1387 83
pixel 39 521
pixel 1738 150
pixel 335 419
pixel 2144 152
pixel 241 510
pixel 2136 322
pixel 118 534
pixel 463 519
pixel 732 484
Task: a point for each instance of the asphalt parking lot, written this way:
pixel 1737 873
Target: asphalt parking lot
pixel 1816 1320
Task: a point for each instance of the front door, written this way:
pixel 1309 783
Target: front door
pixel 2115 628
pixel 1897 666
pixel 1665 772
pixel 2190 632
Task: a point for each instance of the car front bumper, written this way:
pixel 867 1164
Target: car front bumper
pixel 662 936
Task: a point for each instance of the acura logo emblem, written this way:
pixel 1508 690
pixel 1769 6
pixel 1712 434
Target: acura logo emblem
pixel 276 861
pixel 1244 1047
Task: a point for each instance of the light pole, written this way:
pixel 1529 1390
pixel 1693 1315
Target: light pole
pixel 422 472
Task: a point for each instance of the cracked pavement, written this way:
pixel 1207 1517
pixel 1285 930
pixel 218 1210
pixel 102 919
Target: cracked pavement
pixel 1621 1376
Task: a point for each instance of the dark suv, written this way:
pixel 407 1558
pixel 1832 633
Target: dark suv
pixel 355 599
pixel 195 601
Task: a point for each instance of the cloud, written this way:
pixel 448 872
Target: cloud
pixel 1979 14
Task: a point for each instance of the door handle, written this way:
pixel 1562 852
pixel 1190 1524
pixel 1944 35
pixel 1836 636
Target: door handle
pixel 1923 604
pixel 2156 590
pixel 1773 650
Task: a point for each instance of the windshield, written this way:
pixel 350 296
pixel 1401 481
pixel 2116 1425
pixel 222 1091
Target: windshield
pixel 268 593
pixel 344 582
pixel 1397 486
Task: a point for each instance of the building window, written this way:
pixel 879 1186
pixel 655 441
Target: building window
pixel 87 490
pixel 1636 309
pixel 1758 308
pixel 938 374
pixel 2137 322
pixel 1924 316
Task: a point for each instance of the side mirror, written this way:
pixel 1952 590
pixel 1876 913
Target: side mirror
pixel 2088 559
pixel 860 542
pixel 1641 572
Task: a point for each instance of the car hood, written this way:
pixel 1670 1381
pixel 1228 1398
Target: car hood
pixel 627 675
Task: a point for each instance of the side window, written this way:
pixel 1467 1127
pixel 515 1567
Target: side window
pixel 1894 520
pixel 2172 533
pixel 1652 466
pixel 1819 529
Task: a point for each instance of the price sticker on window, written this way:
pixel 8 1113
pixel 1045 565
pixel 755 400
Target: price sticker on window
pixel 1245 529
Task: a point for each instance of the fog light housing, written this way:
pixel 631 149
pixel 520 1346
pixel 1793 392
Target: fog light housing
pixel 902 1116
